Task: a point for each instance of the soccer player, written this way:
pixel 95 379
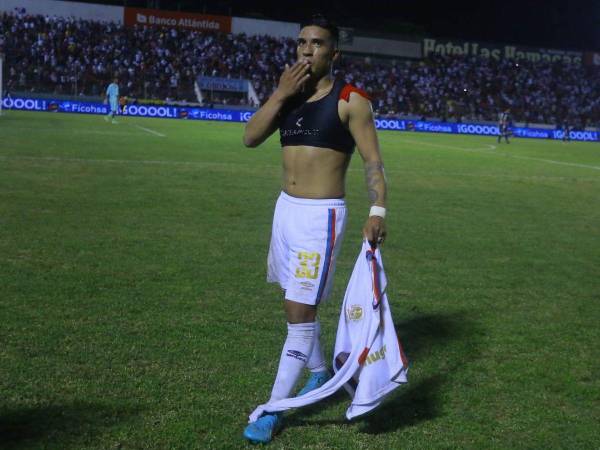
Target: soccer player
pixel 122 104
pixel 320 120
pixel 566 131
pixel 503 123
pixel 112 96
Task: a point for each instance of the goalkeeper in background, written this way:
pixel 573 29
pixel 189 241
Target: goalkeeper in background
pixel 112 97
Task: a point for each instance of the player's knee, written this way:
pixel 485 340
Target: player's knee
pixel 297 312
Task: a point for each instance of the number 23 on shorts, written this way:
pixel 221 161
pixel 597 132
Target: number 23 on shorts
pixel 309 265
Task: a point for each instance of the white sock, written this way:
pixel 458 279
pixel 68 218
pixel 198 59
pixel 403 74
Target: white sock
pixel 316 361
pixel 296 352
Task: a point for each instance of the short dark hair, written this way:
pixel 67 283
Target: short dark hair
pixel 321 21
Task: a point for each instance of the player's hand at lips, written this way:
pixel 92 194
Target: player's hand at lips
pixel 374 230
pixel 293 78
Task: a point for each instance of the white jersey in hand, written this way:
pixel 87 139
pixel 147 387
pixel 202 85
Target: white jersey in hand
pixel 368 357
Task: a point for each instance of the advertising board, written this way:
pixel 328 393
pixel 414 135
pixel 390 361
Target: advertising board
pixel 447 47
pixel 228 115
pixel 176 19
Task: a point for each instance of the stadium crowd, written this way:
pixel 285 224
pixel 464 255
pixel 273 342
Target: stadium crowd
pixel 77 57
pixel 470 88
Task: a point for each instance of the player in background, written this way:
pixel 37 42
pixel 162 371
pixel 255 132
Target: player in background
pixel 566 128
pixel 503 124
pixel 122 104
pixel 112 96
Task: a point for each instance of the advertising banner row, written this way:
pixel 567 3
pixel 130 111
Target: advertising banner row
pixel 207 22
pixel 446 47
pixel 176 19
pixel 222 84
pixel 226 115
pixel 482 129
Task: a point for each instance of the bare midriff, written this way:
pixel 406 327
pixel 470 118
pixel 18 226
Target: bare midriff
pixel 314 172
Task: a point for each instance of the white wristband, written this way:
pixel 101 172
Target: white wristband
pixel 377 211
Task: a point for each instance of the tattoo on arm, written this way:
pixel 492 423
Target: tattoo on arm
pixel 373 195
pixel 375 178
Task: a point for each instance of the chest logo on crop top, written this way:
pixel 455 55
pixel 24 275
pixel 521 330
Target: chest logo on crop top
pixel 300 131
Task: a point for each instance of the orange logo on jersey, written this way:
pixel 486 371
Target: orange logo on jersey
pixel 376 356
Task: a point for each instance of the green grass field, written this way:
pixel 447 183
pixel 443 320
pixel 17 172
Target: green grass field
pixel 135 312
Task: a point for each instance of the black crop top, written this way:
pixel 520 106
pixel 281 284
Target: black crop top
pixel 318 124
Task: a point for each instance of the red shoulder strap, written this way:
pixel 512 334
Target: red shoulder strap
pixel 348 89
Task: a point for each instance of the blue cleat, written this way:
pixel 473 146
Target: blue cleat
pixel 316 380
pixel 262 431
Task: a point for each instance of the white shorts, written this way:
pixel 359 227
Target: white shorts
pixel 305 241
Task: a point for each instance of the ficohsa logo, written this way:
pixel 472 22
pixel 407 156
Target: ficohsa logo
pixel 478 129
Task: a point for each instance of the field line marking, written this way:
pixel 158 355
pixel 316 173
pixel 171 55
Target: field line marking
pixel 491 149
pixel 551 161
pixel 148 130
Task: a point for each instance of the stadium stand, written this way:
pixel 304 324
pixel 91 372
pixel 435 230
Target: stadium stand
pixel 75 57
